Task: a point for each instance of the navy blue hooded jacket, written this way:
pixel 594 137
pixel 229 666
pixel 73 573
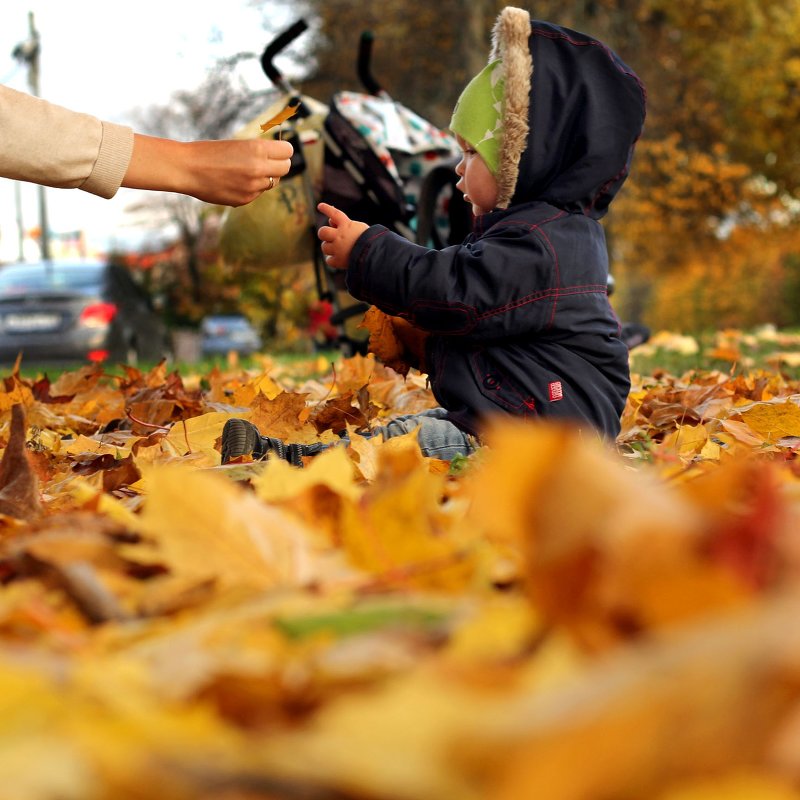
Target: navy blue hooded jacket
pixel 519 313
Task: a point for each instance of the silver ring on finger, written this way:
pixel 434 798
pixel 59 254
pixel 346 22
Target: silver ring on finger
pixel 271 183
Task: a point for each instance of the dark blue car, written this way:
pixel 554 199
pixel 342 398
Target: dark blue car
pixel 74 311
pixel 226 333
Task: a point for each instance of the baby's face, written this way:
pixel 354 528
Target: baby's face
pixel 475 180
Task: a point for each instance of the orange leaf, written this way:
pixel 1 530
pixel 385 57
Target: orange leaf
pixel 393 340
pixel 288 112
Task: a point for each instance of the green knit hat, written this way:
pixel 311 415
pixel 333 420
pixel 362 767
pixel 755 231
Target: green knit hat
pixel 478 115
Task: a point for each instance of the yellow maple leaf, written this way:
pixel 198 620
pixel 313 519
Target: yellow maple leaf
pixel 401 533
pixel 772 421
pixel 205 526
pixel 332 469
pixel 686 440
pixel 198 435
pixel 261 384
pixel 284 417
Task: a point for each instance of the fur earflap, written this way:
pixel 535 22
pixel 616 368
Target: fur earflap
pixel 510 44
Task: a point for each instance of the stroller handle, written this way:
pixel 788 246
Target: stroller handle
pixel 281 41
pixel 363 64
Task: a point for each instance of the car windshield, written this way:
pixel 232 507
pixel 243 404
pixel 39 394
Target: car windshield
pixel 17 279
pixel 226 323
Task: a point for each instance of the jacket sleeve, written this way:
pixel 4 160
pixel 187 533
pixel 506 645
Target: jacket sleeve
pixel 45 143
pixel 498 286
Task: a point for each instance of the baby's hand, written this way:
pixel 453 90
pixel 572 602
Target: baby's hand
pixel 339 237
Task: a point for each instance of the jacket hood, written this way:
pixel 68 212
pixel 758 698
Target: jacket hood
pixel 572 114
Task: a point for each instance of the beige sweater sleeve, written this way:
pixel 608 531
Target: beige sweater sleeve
pixel 48 144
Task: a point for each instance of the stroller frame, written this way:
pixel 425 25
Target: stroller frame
pixel 370 193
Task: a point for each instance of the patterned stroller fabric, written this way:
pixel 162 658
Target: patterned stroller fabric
pixel 393 131
pixel 387 150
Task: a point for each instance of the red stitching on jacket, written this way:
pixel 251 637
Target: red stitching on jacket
pixel 544 295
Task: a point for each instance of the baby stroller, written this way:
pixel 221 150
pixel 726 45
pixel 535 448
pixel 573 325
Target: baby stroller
pixel 382 164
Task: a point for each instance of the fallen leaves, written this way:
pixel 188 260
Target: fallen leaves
pixel 375 626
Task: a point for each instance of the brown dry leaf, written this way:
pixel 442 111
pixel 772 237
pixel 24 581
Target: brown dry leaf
pixel 742 433
pixel 19 487
pixel 78 381
pixel 396 394
pixel 384 342
pixel 338 414
pixel 412 339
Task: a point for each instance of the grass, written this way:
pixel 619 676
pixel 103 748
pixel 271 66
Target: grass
pixel 729 351
pixel 305 362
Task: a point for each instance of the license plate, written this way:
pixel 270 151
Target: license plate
pixel 35 321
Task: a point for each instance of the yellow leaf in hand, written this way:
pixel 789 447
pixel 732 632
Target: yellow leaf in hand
pixel 288 112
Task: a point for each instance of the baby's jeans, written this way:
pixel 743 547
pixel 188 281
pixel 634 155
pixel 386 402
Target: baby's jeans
pixel 437 437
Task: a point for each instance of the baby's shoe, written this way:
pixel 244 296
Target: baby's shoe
pixel 242 438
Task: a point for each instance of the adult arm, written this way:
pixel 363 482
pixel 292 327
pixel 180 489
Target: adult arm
pixel 227 172
pixel 44 143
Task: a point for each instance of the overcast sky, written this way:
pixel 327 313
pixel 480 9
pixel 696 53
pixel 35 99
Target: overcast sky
pixel 107 59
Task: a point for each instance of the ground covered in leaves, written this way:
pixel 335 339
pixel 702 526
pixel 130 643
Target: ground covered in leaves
pixel 552 618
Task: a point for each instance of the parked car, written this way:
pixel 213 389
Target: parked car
pixel 68 311
pixel 225 333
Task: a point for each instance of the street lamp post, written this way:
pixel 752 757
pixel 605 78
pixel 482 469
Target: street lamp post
pixel 28 52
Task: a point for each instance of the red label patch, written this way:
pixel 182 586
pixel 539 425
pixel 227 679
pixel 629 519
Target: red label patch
pixel 556 392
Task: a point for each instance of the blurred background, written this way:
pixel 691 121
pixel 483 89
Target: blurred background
pixel 705 234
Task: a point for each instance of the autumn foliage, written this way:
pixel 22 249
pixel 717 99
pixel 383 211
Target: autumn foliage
pixel 381 625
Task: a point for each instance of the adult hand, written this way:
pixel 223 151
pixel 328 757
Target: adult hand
pixel 228 172
pixel 339 237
